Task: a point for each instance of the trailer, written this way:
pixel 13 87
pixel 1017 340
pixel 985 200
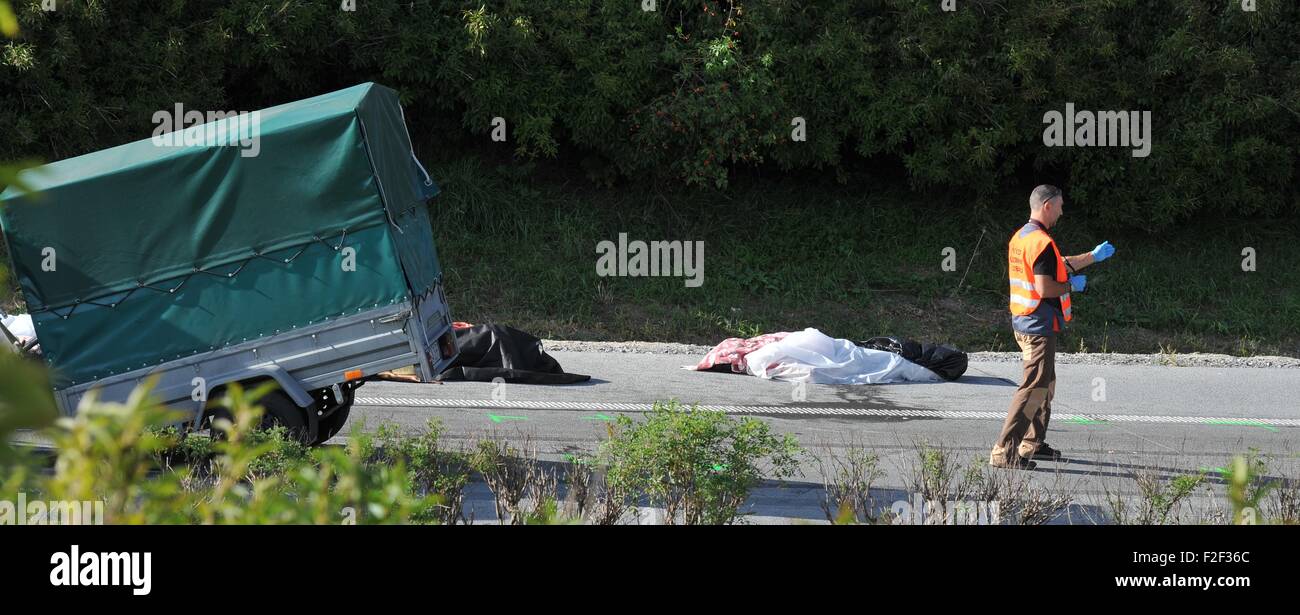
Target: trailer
pixel 187 260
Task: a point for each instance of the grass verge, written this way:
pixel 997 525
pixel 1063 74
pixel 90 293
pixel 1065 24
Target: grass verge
pixel 854 262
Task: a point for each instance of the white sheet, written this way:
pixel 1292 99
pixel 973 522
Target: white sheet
pixel 814 357
pixel 20 325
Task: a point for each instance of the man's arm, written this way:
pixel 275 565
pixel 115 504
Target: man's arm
pixel 1078 262
pixel 1048 288
pixel 1098 254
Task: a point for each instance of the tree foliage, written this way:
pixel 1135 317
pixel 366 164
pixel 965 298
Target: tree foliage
pixel 695 90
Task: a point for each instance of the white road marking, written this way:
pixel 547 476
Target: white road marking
pixel 488 404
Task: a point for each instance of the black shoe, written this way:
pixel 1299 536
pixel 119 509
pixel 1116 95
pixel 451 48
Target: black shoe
pixel 1017 463
pixel 1047 453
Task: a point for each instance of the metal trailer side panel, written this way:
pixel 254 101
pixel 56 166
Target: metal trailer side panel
pixel 302 360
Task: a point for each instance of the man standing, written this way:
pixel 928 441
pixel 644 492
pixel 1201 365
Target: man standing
pixel 1040 306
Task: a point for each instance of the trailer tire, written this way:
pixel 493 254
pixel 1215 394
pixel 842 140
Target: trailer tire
pixel 277 409
pixel 280 409
pixel 332 424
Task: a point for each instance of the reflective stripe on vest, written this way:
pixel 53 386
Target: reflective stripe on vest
pixel 1024 248
pixel 1023 293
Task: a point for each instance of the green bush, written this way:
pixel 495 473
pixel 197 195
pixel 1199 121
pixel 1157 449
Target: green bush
pixel 1160 498
pixel 524 490
pixel 1248 485
pixel 698 465
pixel 117 453
pixel 432 470
pixel 699 89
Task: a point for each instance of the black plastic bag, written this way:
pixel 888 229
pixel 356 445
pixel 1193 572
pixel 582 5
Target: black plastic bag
pixel 946 361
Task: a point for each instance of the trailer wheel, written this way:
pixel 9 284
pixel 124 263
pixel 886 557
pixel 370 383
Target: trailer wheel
pixel 278 409
pixel 281 410
pixel 333 423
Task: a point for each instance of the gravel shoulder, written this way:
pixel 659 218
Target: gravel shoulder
pixel 1091 358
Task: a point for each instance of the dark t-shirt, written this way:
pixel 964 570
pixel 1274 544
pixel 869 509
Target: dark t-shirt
pixel 1046 265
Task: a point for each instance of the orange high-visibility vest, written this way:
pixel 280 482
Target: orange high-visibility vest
pixel 1028 312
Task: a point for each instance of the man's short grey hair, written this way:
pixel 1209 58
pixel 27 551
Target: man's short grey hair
pixel 1043 194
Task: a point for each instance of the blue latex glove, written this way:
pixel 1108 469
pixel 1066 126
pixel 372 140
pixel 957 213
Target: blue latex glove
pixel 1102 252
pixel 1078 282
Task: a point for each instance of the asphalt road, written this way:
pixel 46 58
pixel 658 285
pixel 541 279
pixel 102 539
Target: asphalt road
pixel 1113 422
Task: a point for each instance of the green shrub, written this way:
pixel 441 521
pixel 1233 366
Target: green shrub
pixel 1248 485
pixel 524 491
pixel 1160 498
pixel 433 470
pixel 846 483
pixel 698 465
pixel 117 453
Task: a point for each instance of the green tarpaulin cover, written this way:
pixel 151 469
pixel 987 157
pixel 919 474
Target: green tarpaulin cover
pixel 147 252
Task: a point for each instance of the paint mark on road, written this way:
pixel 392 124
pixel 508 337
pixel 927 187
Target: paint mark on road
pixel 1083 420
pixel 1243 422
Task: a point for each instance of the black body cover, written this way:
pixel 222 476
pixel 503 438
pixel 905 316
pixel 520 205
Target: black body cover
pixel 946 361
pixel 498 351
